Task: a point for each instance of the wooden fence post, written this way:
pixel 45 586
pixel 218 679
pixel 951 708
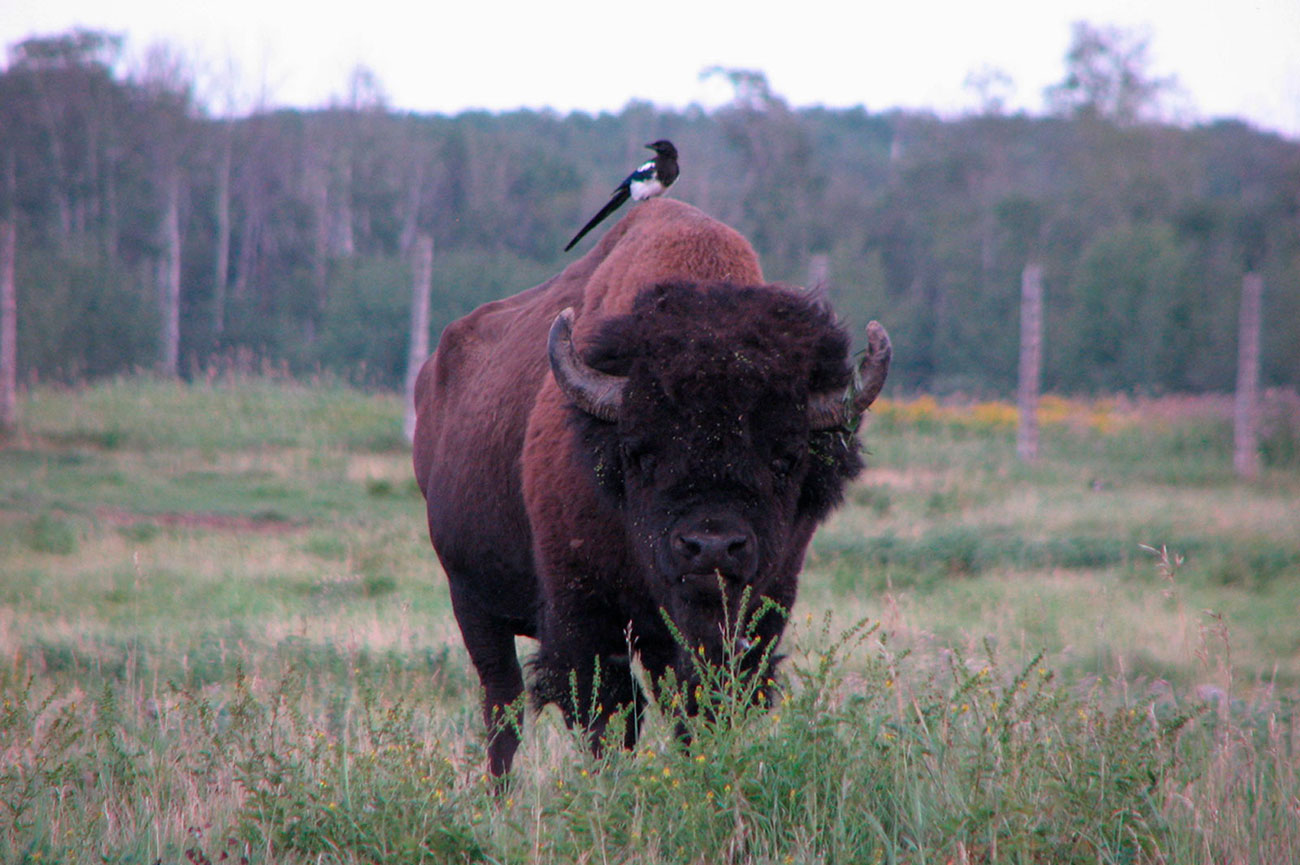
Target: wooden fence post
pixel 819 272
pixel 8 327
pixel 1245 450
pixel 1031 353
pixel 169 280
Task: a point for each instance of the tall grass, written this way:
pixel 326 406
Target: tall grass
pixel 872 755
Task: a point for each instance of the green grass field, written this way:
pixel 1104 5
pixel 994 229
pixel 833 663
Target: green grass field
pixel 224 638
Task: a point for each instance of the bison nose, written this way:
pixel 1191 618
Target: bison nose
pixel 705 548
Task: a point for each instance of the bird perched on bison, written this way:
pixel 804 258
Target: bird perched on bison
pixel 653 434
pixel 648 181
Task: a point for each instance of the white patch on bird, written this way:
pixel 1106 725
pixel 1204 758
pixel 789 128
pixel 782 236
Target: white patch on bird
pixel 643 189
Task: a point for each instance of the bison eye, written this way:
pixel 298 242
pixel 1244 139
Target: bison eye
pixel 640 460
pixel 784 464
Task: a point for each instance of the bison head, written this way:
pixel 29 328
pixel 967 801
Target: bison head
pixel 719 420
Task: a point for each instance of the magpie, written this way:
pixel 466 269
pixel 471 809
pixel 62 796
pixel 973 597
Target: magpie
pixel 649 180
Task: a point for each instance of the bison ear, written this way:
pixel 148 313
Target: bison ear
pixel 597 393
pixel 837 410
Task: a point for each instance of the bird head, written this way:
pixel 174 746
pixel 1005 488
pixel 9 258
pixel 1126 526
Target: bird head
pixel 663 147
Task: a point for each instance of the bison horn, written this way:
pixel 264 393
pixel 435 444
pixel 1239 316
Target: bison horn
pixel 839 409
pixel 597 393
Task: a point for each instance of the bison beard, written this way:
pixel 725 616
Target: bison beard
pixel 677 462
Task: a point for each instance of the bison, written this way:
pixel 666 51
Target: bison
pixel 642 438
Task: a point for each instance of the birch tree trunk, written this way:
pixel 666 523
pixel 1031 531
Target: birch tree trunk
pixel 1031 355
pixel 111 220
pixel 422 286
pixel 8 327
pixel 221 274
pixel 344 241
pixel 1245 454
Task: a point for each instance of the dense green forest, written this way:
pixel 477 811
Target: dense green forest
pixel 283 234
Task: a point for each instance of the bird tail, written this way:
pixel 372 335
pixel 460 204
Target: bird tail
pixel 615 202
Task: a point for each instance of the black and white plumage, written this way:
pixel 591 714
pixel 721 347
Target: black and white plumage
pixel 649 180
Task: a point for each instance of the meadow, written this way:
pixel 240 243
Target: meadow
pixel 224 638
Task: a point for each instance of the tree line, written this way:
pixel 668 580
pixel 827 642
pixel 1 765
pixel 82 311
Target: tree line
pixel 152 234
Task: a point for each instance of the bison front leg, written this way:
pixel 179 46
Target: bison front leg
pixel 591 691
pixel 491 645
pixel 503 716
pixel 730 668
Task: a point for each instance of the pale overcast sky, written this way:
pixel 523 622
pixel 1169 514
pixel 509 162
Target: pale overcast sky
pixel 1234 58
